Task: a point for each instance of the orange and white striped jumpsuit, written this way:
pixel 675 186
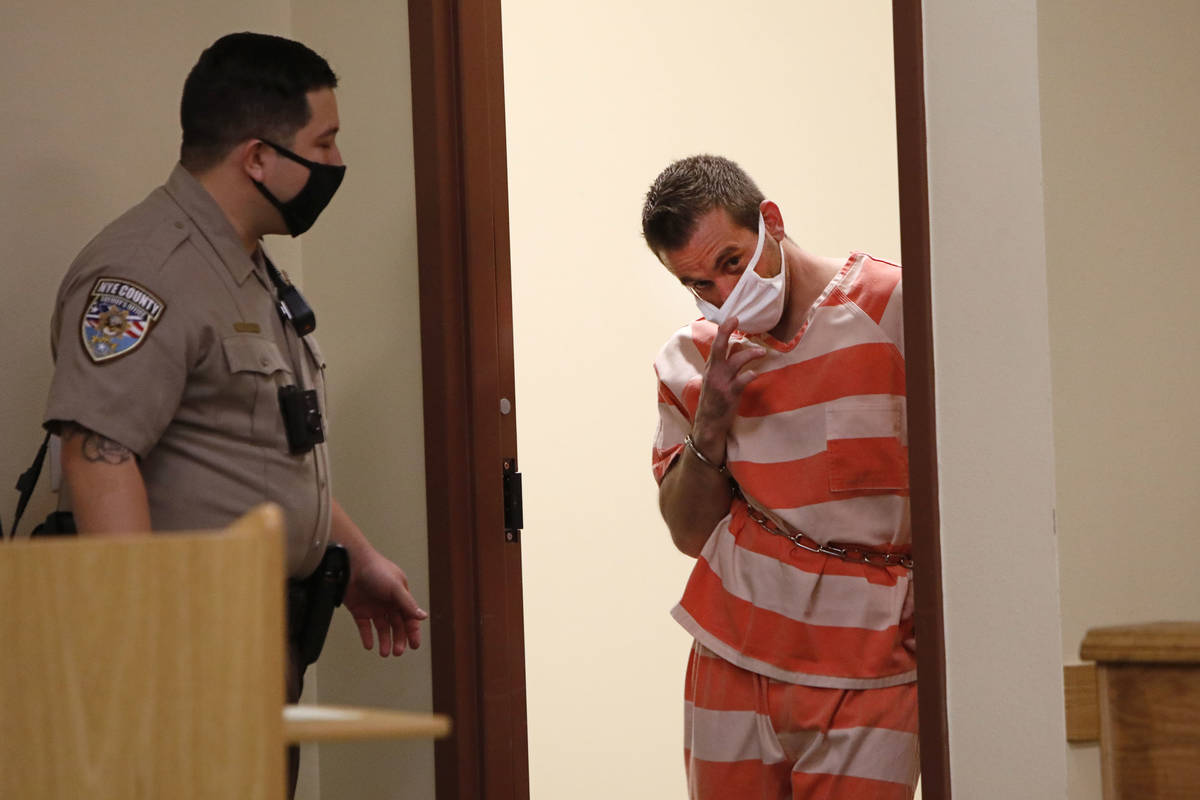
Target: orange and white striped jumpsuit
pixel 801 682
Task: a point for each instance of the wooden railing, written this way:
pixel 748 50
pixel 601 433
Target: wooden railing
pixel 1141 700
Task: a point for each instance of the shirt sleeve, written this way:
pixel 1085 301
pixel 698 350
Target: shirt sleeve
pixel 673 425
pixel 679 368
pixel 877 292
pixel 892 320
pixel 121 355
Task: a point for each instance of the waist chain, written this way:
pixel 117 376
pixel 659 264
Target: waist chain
pixel 846 552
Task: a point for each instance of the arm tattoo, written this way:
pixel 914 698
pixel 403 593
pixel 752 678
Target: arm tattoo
pixel 96 448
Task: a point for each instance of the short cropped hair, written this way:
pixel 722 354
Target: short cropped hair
pixel 247 85
pixel 690 188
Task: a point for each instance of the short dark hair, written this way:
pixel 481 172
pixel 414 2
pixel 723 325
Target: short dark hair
pixel 690 188
pixel 247 85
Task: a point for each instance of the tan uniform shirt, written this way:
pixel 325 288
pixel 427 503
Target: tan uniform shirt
pixel 167 339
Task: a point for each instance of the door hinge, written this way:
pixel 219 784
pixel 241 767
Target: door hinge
pixel 514 510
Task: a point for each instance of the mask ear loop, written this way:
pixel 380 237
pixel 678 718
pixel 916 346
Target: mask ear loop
pixel 762 238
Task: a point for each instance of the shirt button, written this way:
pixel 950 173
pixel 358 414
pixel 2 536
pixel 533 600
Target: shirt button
pixel 178 224
pixel 263 361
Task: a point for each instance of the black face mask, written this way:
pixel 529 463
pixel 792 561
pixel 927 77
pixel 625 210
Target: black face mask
pixel 302 211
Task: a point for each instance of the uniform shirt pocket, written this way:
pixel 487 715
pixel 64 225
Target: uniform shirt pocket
pixel 250 353
pixel 257 370
pixel 866 440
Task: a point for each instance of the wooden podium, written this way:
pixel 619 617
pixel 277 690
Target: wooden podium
pixel 152 667
pixel 1149 703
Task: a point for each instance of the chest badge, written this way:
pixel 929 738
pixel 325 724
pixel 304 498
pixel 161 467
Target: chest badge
pixel 119 316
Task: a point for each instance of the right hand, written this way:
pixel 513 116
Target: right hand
pixel 378 594
pixel 725 378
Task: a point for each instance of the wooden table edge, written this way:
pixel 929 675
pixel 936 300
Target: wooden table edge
pixel 355 723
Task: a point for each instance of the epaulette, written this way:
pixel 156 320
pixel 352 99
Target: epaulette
pixel 160 243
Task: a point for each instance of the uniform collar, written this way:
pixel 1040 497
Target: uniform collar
pixel 210 220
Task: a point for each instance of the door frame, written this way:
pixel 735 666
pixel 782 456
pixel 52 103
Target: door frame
pixel 477 631
pixel 467 368
pixel 913 175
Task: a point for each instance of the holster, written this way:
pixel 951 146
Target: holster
pixel 311 601
pixel 57 523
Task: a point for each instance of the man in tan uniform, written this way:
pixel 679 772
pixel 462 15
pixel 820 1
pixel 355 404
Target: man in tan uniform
pixel 178 345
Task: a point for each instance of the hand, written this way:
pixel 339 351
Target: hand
pixel 725 378
pixel 378 593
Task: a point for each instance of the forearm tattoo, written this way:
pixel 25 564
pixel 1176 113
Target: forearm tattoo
pixel 95 448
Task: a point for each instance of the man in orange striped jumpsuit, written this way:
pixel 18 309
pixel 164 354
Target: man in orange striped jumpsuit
pixel 782 462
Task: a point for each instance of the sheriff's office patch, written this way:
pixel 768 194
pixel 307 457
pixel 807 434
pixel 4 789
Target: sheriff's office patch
pixel 118 318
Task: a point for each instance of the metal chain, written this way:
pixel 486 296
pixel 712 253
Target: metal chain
pixel 846 552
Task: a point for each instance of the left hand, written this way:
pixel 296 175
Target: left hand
pixel 378 594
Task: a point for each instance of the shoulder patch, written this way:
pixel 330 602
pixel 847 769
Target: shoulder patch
pixel 118 318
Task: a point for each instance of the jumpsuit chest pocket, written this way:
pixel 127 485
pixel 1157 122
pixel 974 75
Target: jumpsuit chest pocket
pixel 867 444
pixel 257 369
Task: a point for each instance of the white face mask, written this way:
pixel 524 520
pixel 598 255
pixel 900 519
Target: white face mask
pixel 757 302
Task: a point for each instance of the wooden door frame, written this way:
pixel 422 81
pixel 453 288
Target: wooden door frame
pixel 477 631
pixel 477 628
pixel 913 174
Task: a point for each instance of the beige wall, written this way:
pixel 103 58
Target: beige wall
pixel 91 97
pixel 599 98
pixel 994 433
pixel 1122 171
pixel 361 275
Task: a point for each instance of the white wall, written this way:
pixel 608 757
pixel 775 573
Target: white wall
pixel 599 98
pixel 1122 176
pixel 992 361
